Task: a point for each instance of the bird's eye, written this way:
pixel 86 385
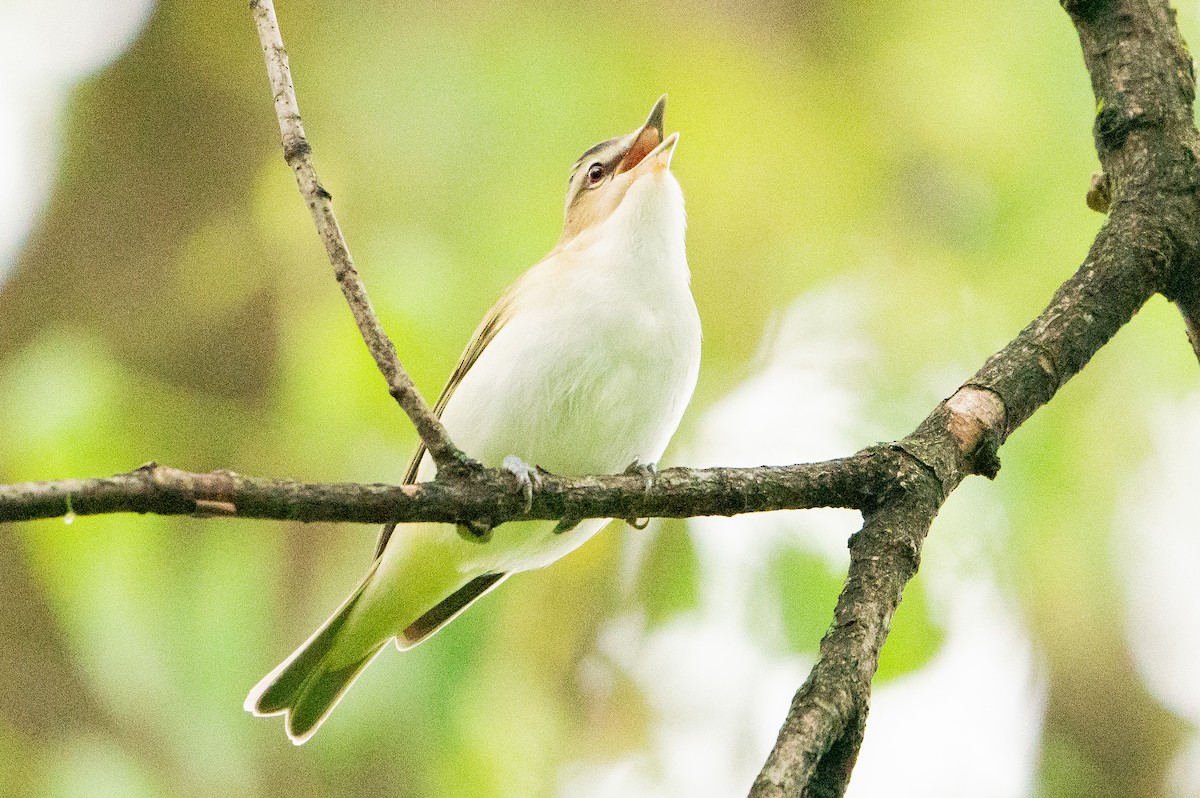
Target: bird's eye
pixel 595 174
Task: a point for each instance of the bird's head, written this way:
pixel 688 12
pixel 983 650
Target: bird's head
pixel 603 176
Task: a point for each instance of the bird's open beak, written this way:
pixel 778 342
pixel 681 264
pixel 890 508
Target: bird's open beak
pixel 648 142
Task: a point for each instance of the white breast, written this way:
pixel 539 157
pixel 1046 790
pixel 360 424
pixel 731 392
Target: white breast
pixel 596 364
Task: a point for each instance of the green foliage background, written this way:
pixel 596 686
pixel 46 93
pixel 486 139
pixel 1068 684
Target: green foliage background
pixel 174 304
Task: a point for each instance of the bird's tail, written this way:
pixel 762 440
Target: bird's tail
pixel 412 590
pixel 306 686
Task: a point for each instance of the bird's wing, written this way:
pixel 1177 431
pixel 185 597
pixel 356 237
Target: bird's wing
pixel 495 319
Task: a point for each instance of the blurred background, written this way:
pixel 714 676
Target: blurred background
pixel 879 195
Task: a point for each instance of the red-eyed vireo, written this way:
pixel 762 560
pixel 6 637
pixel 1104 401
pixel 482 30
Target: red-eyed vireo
pixel 584 366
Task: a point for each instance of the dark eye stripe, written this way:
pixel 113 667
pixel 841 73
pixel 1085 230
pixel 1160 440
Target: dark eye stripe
pixel 606 152
pixel 602 145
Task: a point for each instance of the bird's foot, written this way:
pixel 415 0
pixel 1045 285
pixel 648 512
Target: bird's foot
pixel 476 531
pixel 647 471
pixel 529 478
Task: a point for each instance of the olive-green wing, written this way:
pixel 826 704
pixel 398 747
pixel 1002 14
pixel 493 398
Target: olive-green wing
pixel 496 318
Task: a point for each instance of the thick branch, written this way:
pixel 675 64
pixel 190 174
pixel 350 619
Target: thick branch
pixel 820 738
pixel 1148 145
pixel 298 154
pixel 1190 309
pixel 1144 83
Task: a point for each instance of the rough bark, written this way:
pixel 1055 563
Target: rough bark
pixel 1144 84
pixel 863 480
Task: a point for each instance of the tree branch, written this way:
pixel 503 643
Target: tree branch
pixel 1144 85
pixel 1144 82
pixel 824 728
pixel 1190 310
pixel 298 154
pixel 863 480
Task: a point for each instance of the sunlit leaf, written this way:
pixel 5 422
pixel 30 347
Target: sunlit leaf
pixel 668 581
pixel 914 637
pixel 806 589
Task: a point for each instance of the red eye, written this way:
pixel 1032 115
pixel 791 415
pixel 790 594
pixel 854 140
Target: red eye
pixel 595 174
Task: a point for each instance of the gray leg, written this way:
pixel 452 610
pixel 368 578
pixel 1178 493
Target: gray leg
pixel 647 471
pixel 528 477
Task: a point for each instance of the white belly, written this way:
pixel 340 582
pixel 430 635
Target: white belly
pixel 592 370
pixel 582 395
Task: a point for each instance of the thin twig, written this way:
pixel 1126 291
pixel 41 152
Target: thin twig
pixel 298 154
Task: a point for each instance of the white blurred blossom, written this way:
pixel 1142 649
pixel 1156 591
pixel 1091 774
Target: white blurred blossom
pixel 968 723
pixel 45 48
pixel 1158 548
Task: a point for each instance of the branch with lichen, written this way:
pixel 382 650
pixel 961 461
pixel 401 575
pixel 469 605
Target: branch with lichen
pixel 1143 81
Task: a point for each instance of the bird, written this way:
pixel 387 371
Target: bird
pixel 585 365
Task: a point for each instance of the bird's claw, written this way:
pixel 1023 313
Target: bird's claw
pixel 529 478
pixel 647 471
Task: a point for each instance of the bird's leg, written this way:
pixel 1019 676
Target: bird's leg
pixel 647 471
pixel 528 477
